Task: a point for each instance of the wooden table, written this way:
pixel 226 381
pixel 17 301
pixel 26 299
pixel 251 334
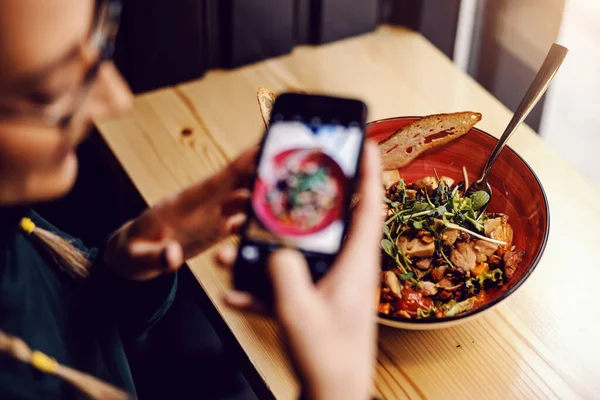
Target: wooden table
pixel 542 342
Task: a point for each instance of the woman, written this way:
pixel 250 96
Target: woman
pixel 78 305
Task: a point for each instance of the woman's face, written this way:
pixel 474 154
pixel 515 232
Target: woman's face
pixel 45 51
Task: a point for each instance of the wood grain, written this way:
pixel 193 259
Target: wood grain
pixel 540 343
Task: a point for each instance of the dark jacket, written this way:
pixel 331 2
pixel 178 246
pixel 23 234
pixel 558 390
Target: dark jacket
pixel 84 324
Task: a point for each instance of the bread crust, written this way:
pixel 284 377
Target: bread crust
pixel 266 99
pixel 424 134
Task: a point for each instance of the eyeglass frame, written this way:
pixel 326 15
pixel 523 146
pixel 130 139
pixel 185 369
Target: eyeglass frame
pixel 103 38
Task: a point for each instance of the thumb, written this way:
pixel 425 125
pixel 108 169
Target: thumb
pixel 292 283
pixel 150 259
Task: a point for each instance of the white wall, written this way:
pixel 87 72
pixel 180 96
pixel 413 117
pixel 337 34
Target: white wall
pixel 571 119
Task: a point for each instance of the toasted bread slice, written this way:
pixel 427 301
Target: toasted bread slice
pixel 424 134
pixel 266 99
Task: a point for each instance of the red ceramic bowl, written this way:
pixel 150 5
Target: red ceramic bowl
pixel 262 208
pixel 517 192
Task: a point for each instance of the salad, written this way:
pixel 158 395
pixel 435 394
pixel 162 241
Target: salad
pixel 441 256
pixel 303 194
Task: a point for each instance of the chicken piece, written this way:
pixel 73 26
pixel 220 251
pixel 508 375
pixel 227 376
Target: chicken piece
pixel 504 233
pixel 438 273
pixel 425 236
pixel 512 259
pixel 420 274
pixel 411 194
pixel 448 181
pixel 490 226
pixel 391 281
pixel 499 229
pixel 494 259
pixel 423 264
pixel 428 288
pixel 464 256
pixel 416 247
pixel 428 183
pixel 464 237
pixel 484 249
pixel 444 295
pixel 428 239
pixel 449 236
pixel 447 285
pixel 390 178
pixel 402 243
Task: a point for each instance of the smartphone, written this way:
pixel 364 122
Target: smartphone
pixel 306 174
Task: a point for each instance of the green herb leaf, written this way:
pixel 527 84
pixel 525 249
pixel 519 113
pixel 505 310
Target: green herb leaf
pixel 389 248
pixel 386 231
pixel 405 277
pixel 418 207
pixel 475 284
pixel 417 225
pixel 425 312
pixel 456 308
pixel 479 199
pixel 392 204
pixel 472 287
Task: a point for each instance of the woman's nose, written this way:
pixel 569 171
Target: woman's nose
pixel 110 95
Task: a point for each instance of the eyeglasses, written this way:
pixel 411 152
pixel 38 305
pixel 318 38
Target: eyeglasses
pixel 103 40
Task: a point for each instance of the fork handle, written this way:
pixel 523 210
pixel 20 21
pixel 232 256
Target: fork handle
pixel 538 87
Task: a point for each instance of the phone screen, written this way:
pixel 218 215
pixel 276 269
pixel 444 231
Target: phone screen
pixel 306 173
pixel 304 177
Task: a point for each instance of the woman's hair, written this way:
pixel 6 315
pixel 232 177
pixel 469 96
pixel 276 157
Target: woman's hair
pixel 67 256
pixel 74 262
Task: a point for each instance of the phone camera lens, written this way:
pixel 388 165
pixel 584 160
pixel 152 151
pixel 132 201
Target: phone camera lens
pixel 250 253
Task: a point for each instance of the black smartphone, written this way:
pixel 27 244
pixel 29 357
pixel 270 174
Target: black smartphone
pixel 306 175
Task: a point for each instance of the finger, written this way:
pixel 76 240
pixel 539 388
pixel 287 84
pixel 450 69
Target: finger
pixel 172 256
pixel 292 284
pixel 226 256
pixel 244 301
pixel 234 223
pixel 236 202
pixel 367 221
pixel 357 264
pixel 151 259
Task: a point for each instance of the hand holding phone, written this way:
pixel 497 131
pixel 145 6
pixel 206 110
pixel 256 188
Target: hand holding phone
pixel 306 174
pixel 330 327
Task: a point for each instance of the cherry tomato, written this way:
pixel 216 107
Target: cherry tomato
pixel 412 300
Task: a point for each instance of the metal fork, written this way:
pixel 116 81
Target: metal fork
pixel 540 83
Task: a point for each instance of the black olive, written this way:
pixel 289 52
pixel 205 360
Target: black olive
pixel 459 274
pixel 281 185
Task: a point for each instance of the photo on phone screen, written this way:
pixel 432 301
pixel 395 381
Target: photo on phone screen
pixel 306 173
pixel 303 180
